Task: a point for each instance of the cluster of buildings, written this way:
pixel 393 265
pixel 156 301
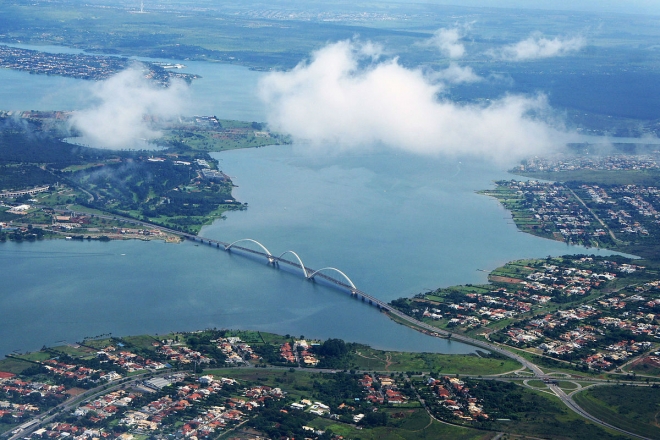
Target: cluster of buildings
pixel 386 392
pixel 573 163
pixel 569 341
pixel 182 354
pixel 202 167
pixel 567 281
pixel 81 66
pixel 13 392
pixel 591 333
pixel 287 353
pixel 62 430
pixel 19 193
pixel 84 225
pixel 454 396
pixel 316 408
pixel 298 353
pixel 307 357
pixel 322 15
pixel 78 372
pixel 478 309
pixel 553 210
pixel 615 354
pixel 154 415
pixel 628 209
pixel 128 361
pixel 236 351
pixel 538 287
pixel 167 411
pixel 106 406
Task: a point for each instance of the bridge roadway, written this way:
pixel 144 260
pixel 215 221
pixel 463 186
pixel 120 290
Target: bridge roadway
pixel 433 331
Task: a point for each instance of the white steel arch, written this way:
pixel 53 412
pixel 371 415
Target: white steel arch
pixel 253 241
pixel 299 261
pixel 336 270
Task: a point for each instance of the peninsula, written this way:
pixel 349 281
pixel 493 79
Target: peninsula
pixel 82 66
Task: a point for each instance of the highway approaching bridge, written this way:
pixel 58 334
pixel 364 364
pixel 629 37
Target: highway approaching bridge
pixel 346 284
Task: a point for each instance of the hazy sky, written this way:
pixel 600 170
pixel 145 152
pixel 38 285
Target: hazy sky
pixel 619 6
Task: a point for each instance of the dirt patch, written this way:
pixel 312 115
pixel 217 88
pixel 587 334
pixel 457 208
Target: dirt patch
pixel 508 280
pixel 75 391
pixel 401 414
pixel 424 300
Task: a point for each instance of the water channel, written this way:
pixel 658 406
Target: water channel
pixel 396 224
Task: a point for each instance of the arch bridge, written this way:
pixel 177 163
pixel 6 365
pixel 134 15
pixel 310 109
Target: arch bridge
pixel 308 273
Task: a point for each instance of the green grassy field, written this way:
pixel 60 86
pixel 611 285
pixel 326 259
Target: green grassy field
pixel 75 351
pixel 545 416
pixel 298 384
pixel 413 425
pixel 37 356
pixel 12 365
pixel 634 409
pixel 643 369
pixel 371 359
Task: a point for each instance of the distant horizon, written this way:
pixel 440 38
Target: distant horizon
pixel 631 7
pixel 593 6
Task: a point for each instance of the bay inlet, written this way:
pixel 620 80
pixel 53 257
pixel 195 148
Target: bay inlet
pixel 396 224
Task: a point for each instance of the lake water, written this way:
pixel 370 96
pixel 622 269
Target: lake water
pixel 395 224
pixel 224 90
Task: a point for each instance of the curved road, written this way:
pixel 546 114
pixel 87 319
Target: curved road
pixel 569 402
pixel 433 331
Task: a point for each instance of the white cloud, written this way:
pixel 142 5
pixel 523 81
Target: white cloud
pixel 117 120
pixel 456 74
pixel 448 41
pixel 335 101
pixel 538 46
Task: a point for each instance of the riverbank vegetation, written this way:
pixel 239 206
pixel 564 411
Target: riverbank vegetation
pixel 178 186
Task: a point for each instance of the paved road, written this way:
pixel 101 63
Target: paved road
pixel 74 401
pixel 568 401
pixel 433 331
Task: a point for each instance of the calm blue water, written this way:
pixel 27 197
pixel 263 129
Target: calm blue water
pixel 224 90
pixel 395 224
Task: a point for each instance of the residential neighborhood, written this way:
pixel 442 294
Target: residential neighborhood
pixel 82 66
